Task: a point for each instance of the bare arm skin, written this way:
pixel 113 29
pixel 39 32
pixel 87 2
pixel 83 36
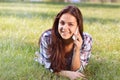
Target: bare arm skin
pixel 76 61
pixel 72 75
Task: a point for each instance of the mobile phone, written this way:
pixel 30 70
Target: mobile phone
pixel 74 37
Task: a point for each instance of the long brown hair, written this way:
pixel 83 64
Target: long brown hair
pixel 56 48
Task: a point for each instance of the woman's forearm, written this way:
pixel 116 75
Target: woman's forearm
pixel 76 63
pixel 72 75
pixel 63 73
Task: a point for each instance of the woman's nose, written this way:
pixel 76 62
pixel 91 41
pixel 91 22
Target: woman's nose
pixel 65 26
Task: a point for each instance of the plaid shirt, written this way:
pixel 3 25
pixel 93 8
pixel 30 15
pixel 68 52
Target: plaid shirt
pixel 85 51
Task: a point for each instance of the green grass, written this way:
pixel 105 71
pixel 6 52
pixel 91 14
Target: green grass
pixel 21 24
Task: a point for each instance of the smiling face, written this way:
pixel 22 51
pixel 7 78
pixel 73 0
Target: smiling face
pixel 67 26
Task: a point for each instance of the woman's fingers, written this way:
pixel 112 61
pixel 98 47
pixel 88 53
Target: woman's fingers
pixel 82 76
pixel 78 41
pixel 79 38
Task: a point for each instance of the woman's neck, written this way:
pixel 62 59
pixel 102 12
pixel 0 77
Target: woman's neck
pixel 68 46
pixel 68 41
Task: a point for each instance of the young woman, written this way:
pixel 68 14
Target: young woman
pixel 65 49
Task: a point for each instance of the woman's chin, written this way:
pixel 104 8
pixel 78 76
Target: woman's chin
pixel 66 38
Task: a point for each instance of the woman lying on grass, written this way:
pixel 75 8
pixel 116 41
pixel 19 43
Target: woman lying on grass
pixel 65 49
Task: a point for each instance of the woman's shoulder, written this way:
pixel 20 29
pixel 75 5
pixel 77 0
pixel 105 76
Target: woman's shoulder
pixel 46 33
pixel 87 36
pixel 87 41
pixel 46 36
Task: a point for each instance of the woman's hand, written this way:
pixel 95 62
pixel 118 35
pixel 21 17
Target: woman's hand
pixel 72 75
pixel 78 41
pixel 75 75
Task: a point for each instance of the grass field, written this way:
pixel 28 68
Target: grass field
pixel 21 24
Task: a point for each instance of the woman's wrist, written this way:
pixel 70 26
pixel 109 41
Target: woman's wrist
pixel 77 51
pixel 64 73
pixel 72 75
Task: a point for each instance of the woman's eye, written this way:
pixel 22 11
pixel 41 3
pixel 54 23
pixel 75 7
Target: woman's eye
pixel 62 23
pixel 70 24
